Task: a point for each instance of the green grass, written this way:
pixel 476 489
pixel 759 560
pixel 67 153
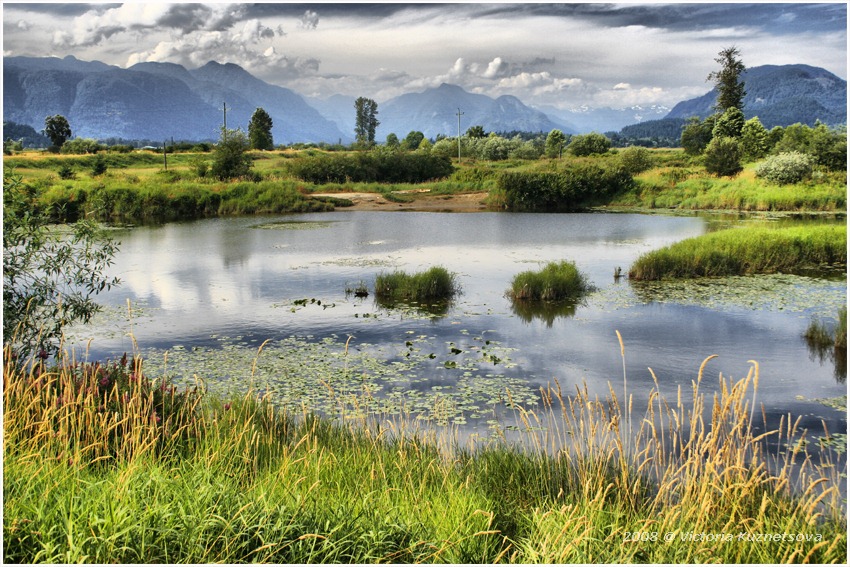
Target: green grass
pixel 691 188
pixel 556 281
pixel 746 251
pixel 250 483
pixel 434 284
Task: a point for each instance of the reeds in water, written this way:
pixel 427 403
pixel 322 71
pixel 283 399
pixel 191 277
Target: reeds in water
pixel 556 281
pixel 434 284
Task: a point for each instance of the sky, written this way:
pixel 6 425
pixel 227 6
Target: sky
pixel 562 55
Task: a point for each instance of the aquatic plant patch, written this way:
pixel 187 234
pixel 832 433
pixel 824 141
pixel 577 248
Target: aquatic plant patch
pixel 336 376
pixel 293 225
pixel 816 297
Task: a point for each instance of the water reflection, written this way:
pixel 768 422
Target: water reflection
pixel 829 354
pixel 546 311
pixel 194 283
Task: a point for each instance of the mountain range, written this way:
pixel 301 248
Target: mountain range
pixel 158 101
pixel 781 95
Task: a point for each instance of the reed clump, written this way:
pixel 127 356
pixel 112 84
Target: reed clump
pixel 556 281
pixel 433 284
pixel 253 483
pixel 746 251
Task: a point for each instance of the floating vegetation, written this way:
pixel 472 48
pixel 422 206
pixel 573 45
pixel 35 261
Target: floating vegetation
pixel 357 290
pixel 293 225
pixel 779 292
pixel 341 377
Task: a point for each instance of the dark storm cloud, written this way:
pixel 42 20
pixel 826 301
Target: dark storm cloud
pixel 64 9
pixel 194 17
pixel 777 18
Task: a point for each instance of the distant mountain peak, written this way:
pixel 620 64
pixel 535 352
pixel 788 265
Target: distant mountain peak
pixel 781 95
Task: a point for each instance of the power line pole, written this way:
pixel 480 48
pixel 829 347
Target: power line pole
pixel 459 114
pixel 224 130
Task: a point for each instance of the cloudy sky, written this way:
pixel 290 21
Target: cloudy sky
pixel 570 55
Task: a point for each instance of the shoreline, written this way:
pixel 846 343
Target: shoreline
pixel 422 201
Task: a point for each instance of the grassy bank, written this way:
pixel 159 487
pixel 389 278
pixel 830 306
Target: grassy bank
pixel 103 465
pixel 690 188
pixel 745 251
pixel 138 186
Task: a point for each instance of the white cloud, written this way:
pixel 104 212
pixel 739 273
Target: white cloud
pixel 496 68
pixel 309 20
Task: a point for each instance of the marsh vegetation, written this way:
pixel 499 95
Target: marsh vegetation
pixel 166 475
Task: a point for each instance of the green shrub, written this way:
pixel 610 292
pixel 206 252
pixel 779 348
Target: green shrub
pixel 66 172
pixel 785 168
pixel 635 159
pixel 382 165
pixel 588 144
pixel 555 282
pixel 99 166
pixel 576 186
pixel 722 156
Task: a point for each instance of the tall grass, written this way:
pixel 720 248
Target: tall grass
pixel 745 251
pixel 252 483
pixel 434 284
pixel 556 281
pixel 692 189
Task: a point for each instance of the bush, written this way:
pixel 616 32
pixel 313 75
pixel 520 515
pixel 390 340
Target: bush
pixel 588 144
pixel 49 279
pixel 722 156
pixel 555 282
pixel 229 157
pixel 635 159
pixel 98 167
pixel 576 186
pixel 81 146
pixel 66 172
pixel 790 167
pixel 380 165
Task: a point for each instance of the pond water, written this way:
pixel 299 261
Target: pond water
pixel 205 295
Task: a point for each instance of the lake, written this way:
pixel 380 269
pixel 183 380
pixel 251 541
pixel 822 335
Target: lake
pixel 205 296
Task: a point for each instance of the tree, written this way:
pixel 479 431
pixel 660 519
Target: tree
pixel 730 89
pixel 476 132
pixel 260 130
pixel 696 134
pixel 589 144
pixel 729 124
pixel 50 277
pixel 555 143
pixel 753 139
pixel 412 140
pixel 392 140
pixel 366 120
pixel 58 130
pixel 723 156
pixel 229 157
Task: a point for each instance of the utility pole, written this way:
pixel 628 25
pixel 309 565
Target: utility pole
pixel 224 131
pixel 164 154
pixel 459 114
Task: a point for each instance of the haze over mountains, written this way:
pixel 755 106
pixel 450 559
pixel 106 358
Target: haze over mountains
pixel 159 101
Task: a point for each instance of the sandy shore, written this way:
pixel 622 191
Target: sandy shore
pixel 422 201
